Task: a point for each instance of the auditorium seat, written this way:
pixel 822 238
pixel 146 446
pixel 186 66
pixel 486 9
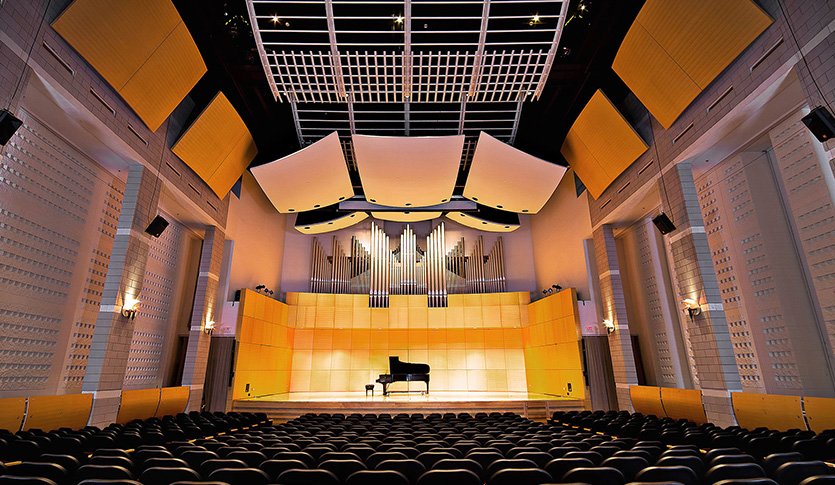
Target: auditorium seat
pixel 733 471
pixel 209 466
pixel 520 476
pixel 629 466
pixel 51 471
pixel 449 477
pixel 794 472
pixel 304 477
pixel 558 467
pixel 374 477
pixel 167 475
pixel 410 468
pixel 595 476
pixel 15 480
pixel 461 464
pixel 274 468
pixel 681 474
pixel 342 468
pixel 87 472
pixel 239 476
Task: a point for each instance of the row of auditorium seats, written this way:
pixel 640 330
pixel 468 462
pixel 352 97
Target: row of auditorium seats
pixel 576 447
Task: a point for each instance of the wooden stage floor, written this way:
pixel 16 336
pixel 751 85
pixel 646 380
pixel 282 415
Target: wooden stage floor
pixel 282 407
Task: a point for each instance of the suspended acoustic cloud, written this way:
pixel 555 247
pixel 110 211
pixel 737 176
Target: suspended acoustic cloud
pixel 487 219
pixel 509 179
pixel 314 177
pixel 402 171
pixel 326 220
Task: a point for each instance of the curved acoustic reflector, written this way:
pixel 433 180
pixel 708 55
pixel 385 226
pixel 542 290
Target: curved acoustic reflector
pixel 313 177
pixel 318 222
pixel 141 48
pixel 601 144
pixel 402 171
pixel 408 216
pixel 674 49
pixel 508 179
pixel 217 146
pixel 487 219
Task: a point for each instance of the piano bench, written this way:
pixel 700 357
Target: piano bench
pixel 369 387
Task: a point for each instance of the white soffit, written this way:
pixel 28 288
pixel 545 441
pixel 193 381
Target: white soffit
pixel 346 220
pixel 400 171
pixel 313 177
pixel 409 216
pixel 505 178
pixel 475 222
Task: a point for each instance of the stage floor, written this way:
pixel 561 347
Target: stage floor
pixel 290 405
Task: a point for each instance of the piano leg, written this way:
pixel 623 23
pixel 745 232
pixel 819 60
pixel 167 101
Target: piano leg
pixel 385 389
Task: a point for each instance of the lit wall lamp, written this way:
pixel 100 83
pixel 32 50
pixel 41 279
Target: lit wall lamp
pixel 130 307
pixel 610 326
pixel 209 328
pixel 691 307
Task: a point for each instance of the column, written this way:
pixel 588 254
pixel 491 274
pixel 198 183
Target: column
pixel 204 310
pixel 112 336
pixel 613 306
pixel 713 365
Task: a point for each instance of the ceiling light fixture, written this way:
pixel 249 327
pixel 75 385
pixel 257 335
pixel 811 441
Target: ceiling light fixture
pixel 275 19
pixel 398 20
pixel 535 20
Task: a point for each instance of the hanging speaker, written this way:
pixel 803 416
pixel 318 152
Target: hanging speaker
pixel 821 123
pixel 664 224
pixel 156 226
pixel 8 126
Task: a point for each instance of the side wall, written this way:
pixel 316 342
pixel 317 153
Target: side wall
pixel 557 235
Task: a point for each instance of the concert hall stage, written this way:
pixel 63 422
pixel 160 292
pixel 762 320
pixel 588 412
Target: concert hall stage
pixel 282 407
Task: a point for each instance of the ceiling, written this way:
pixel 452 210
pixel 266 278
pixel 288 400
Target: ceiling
pixel 294 102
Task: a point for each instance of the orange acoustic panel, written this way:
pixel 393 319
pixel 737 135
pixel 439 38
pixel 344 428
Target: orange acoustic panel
pixel 675 49
pixel 820 413
pixel 647 400
pixel 11 413
pixel 771 411
pixel 217 146
pixel 473 221
pixel 172 400
pixel 138 404
pixel 683 404
pixel 141 48
pixel 601 144
pixel 406 216
pixel 313 177
pixel 505 178
pixel 53 412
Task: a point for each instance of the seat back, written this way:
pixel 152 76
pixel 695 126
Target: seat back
pixel 449 477
pixel 410 468
pixel 520 476
pixel 167 475
pixel 595 476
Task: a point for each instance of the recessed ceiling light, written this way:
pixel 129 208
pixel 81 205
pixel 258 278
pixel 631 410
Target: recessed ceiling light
pixel 342 198
pixel 372 200
pixel 484 222
pixel 307 227
pixel 500 207
pixel 352 215
pixel 475 198
pixel 275 19
pixel 291 210
pixel 444 200
pixel 507 227
pixel 330 223
pixel 524 210
pixel 408 204
pixel 408 212
pixel 316 206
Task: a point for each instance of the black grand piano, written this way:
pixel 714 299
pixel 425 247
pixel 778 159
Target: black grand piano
pixel 404 372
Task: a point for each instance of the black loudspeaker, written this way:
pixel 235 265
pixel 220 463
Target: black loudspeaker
pixel 8 126
pixel 664 224
pixel 156 226
pixel 821 123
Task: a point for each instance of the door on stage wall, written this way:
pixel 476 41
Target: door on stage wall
pixel 597 362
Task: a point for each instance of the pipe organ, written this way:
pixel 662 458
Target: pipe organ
pixel 408 269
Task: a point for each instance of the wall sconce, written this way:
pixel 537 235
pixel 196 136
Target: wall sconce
pixel 209 327
pixel 610 326
pixel 691 307
pixel 130 307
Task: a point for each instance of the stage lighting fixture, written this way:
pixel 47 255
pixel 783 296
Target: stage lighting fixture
pixel 557 288
pixel 609 325
pixel 691 307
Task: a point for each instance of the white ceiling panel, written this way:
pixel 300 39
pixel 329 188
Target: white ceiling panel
pixel 336 224
pixel 398 171
pixel 408 216
pixel 313 177
pixel 505 178
pixel 475 222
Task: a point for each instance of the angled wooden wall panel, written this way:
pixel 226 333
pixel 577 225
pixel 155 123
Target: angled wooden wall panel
pixel 820 413
pixel 172 400
pixel 11 413
pixel 683 404
pixel 138 404
pixel 771 411
pixel 217 145
pixel 141 48
pixel 647 400
pixel 53 412
pixel 601 144
pixel 675 49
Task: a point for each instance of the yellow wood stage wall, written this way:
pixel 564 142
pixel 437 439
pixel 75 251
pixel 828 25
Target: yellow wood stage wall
pixel 481 342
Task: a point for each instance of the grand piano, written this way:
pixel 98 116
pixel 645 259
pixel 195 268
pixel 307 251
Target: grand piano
pixel 404 372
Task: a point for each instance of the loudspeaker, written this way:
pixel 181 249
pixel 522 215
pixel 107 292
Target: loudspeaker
pixel 8 126
pixel 156 226
pixel 664 224
pixel 821 123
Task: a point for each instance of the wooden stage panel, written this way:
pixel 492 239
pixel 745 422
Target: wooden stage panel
pixel 283 407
